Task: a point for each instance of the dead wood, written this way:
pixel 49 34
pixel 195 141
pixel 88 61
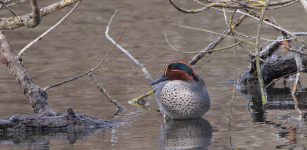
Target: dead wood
pixel 32 19
pixel 274 64
pixel 44 117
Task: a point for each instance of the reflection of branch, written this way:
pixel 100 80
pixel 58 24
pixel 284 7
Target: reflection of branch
pixel 92 69
pixel 135 61
pixel 19 21
pixel 296 104
pixel 299 66
pixel 120 108
pixel 46 32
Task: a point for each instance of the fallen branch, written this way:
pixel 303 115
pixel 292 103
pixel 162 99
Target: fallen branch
pixel 36 95
pixel 67 122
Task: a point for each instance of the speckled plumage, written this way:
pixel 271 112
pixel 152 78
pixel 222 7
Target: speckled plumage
pixel 179 99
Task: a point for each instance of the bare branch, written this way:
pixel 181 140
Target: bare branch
pixel 19 21
pixel 231 4
pixel 126 52
pixel 196 52
pixel 258 49
pixel 120 108
pixel 11 3
pixel 216 42
pixel 92 69
pixel 22 51
pixel 36 95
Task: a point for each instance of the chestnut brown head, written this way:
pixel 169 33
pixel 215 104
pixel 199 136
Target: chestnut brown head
pixel 177 70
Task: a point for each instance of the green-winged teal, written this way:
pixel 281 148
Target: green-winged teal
pixel 180 93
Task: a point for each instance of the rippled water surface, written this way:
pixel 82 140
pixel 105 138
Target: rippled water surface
pixel 79 43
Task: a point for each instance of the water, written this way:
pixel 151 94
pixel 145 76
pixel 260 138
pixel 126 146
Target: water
pixel 79 43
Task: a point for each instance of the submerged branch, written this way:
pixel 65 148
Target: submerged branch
pixel 120 108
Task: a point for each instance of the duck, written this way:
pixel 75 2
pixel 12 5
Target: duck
pixel 180 93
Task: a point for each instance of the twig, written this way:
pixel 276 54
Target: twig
pixel 120 108
pixel 22 51
pixel 206 50
pixel 126 52
pixel 92 69
pixel 229 5
pixel 225 35
pixel 215 43
pixel 241 34
pixel 277 27
pixel 137 101
pixel 196 52
pixel 193 11
pixel 13 3
pixel 233 92
pixel 8 8
pixel 257 49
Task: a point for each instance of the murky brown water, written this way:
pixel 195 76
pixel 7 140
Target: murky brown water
pixel 78 44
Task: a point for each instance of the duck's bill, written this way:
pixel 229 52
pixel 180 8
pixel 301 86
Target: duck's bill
pixel 161 79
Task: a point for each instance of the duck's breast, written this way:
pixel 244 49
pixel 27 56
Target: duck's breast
pixel 180 99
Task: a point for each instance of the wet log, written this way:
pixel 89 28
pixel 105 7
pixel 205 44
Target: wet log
pixel 62 122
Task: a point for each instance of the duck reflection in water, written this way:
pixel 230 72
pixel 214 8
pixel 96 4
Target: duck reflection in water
pixel 186 134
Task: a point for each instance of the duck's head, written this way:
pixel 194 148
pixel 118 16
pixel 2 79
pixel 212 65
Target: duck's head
pixel 177 70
